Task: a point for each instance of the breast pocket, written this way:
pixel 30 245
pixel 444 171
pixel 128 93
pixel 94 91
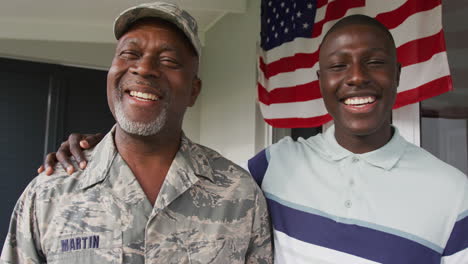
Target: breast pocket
pixel 220 251
pixel 101 247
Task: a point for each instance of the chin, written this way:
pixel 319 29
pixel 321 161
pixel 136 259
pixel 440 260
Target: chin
pixel 140 128
pixel 362 128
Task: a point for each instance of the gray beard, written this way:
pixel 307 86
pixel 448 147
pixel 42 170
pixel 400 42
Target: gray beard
pixel 139 128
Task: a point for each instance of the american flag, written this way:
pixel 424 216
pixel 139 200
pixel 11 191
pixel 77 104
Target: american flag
pixel 291 31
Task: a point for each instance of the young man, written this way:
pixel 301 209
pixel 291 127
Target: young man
pixel 359 193
pixel 148 195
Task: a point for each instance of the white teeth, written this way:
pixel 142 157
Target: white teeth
pixel 145 96
pixel 359 100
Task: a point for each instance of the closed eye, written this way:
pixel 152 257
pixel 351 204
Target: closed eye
pixel 376 62
pixel 337 67
pixel 171 63
pixel 128 54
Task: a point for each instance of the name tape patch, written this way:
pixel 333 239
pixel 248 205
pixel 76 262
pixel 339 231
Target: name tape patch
pixel 78 243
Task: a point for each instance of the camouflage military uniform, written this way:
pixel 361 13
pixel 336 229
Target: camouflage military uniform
pixel 208 211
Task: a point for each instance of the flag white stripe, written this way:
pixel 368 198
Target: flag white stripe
pixel 296 109
pixel 418 74
pixel 457 258
pixel 287 79
pixel 372 8
pixel 320 13
pixel 293 251
pixel 419 25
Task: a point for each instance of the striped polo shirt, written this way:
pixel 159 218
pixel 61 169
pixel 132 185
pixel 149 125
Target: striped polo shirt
pixel 397 204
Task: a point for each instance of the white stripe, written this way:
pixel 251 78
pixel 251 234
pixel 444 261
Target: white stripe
pixel 457 258
pixel 410 30
pixel 296 109
pixel 372 8
pixel 288 79
pixel 418 74
pixel 419 25
pixel 293 251
pixel 320 13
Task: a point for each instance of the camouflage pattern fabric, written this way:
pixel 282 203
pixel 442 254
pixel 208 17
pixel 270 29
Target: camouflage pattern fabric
pixel 208 210
pixel 165 10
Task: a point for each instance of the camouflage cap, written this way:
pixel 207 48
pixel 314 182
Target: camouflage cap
pixel 164 10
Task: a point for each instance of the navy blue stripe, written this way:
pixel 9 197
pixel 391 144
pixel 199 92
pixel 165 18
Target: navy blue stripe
pixel 258 166
pixel 458 240
pixel 352 239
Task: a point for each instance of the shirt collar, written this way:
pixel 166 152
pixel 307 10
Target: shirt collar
pixel 191 158
pixel 385 157
pixel 100 161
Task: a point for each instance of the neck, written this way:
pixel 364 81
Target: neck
pixel 159 145
pixel 363 143
pixel 149 157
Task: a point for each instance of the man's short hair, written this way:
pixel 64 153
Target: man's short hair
pixel 359 20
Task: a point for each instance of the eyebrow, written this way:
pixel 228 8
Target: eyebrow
pixel 131 41
pixel 338 52
pixel 135 42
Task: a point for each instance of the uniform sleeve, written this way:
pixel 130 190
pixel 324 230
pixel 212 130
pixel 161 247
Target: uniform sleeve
pixel 261 245
pixel 22 241
pixel 456 250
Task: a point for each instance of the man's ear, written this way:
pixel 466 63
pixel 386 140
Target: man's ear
pixel 318 78
pixel 398 73
pixel 196 88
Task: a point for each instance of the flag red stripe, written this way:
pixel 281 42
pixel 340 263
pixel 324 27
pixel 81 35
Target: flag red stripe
pixel 420 50
pixel 425 91
pixel 298 93
pixel 335 10
pixel 299 122
pixel 394 18
pixel 289 64
pixel 321 3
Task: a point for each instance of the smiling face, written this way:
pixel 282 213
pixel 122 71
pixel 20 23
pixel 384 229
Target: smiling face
pixel 152 79
pixel 358 76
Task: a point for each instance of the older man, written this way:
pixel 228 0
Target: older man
pixel 148 195
pixel 360 193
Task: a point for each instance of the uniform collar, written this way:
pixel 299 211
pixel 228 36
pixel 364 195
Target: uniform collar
pixel 385 157
pixel 191 159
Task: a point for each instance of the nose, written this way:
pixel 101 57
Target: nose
pixel 358 75
pixel 146 67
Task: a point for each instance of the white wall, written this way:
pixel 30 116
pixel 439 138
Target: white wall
pixel 227 109
pixel 91 55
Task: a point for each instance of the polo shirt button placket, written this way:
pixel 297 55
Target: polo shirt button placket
pixel 348 204
pixel 354 160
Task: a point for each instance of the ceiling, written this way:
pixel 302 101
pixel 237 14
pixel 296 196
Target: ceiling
pixel 91 20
